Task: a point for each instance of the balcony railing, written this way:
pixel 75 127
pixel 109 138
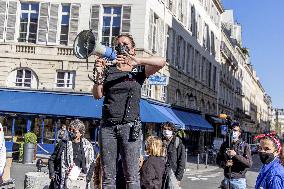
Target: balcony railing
pixel 64 51
pixel 26 49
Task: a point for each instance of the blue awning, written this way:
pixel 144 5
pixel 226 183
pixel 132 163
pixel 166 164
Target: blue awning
pixel 65 105
pixel 193 121
pixel 169 113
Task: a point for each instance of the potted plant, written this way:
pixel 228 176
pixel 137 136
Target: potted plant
pixel 29 147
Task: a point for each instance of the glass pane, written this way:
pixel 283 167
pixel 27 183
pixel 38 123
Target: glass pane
pixel 107 10
pixel 28 74
pixel 106 21
pixel 34 17
pixel 117 10
pixel 33 28
pixel 64 30
pixel 65 8
pixel 24 17
pixel 63 37
pixel 60 75
pixel 106 31
pixel 24 6
pixel 115 31
pixel 23 27
pixel 34 6
pixel 19 73
pixel 65 20
pixel 116 21
pixel 105 41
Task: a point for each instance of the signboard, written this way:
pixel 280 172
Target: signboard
pixel 224 129
pixel 158 80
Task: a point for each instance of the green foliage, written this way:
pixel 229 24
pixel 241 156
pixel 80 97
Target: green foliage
pixel 30 138
pixel 181 134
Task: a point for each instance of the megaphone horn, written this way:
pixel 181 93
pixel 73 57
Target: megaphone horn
pixel 85 45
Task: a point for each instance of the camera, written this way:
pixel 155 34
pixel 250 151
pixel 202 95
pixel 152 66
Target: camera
pixel 121 49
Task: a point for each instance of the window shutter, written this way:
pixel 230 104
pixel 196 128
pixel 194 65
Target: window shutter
pixel 11 21
pixel 150 33
pixel 160 37
pixel 53 23
pixel 74 23
pixel 95 19
pixel 3 7
pixel 42 24
pixel 125 23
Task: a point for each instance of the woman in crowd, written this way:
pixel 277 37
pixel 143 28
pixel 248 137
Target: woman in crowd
pixel 72 163
pixel 153 168
pixel 271 175
pixel 2 153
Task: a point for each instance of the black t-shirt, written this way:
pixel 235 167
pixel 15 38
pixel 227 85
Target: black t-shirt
pixel 122 91
pixel 77 154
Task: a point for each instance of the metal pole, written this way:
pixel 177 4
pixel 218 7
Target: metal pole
pixel 29 125
pixel 13 129
pixel 42 130
pixel 186 150
pixel 198 156
pixel 206 159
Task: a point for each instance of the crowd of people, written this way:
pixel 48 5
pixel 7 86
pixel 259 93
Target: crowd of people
pixel 116 161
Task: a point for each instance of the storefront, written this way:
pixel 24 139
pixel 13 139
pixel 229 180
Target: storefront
pixel 44 112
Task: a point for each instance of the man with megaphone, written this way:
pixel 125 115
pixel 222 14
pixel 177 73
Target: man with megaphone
pixel 121 126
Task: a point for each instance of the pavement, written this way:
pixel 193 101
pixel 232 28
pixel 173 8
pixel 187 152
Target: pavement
pixel 211 177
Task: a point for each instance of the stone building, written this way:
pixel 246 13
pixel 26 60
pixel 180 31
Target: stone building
pixel 241 93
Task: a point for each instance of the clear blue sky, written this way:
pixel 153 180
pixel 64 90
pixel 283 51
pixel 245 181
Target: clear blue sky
pixel 263 33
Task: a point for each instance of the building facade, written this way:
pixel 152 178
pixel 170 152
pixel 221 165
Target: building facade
pixel 241 93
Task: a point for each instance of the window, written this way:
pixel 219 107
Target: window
pixel 29 22
pixel 65 24
pixel 146 90
pixel 163 94
pixel 111 24
pixel 23 78
pixel 178 97
pixel 65 79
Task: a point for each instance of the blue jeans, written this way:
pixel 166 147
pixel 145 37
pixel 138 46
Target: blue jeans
pixel 115 140
pixel 235 183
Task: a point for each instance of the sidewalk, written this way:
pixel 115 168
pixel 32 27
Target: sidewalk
pixel 191 166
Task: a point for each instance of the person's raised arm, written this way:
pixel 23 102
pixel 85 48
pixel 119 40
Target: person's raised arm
pixel 152 64
pixel 97 75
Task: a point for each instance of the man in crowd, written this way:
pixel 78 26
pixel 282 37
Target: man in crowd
pixel 234 159
pixel 175 164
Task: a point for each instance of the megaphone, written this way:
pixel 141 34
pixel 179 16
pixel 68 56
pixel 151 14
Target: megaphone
pixel 85 45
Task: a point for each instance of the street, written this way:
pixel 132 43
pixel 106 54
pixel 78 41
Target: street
pixel 193 179
pixel 212 179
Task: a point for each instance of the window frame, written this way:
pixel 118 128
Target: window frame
pixel 29 12
pixel 65 79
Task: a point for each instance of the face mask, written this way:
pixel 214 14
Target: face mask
pixel 72 136
pixel 167 133
pixel 235 135
pixel 266 158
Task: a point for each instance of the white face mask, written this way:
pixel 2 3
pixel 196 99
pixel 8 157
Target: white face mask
pixel 235 135
pixel 167 133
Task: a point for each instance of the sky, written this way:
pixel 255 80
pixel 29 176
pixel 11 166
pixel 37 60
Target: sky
pixel 263 33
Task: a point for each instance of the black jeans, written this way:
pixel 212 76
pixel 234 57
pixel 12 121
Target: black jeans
pixel 115 140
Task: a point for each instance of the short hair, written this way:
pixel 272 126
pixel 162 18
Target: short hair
pixel 128 36
pixel 155 146
pixel 169 126
pixel 78 124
